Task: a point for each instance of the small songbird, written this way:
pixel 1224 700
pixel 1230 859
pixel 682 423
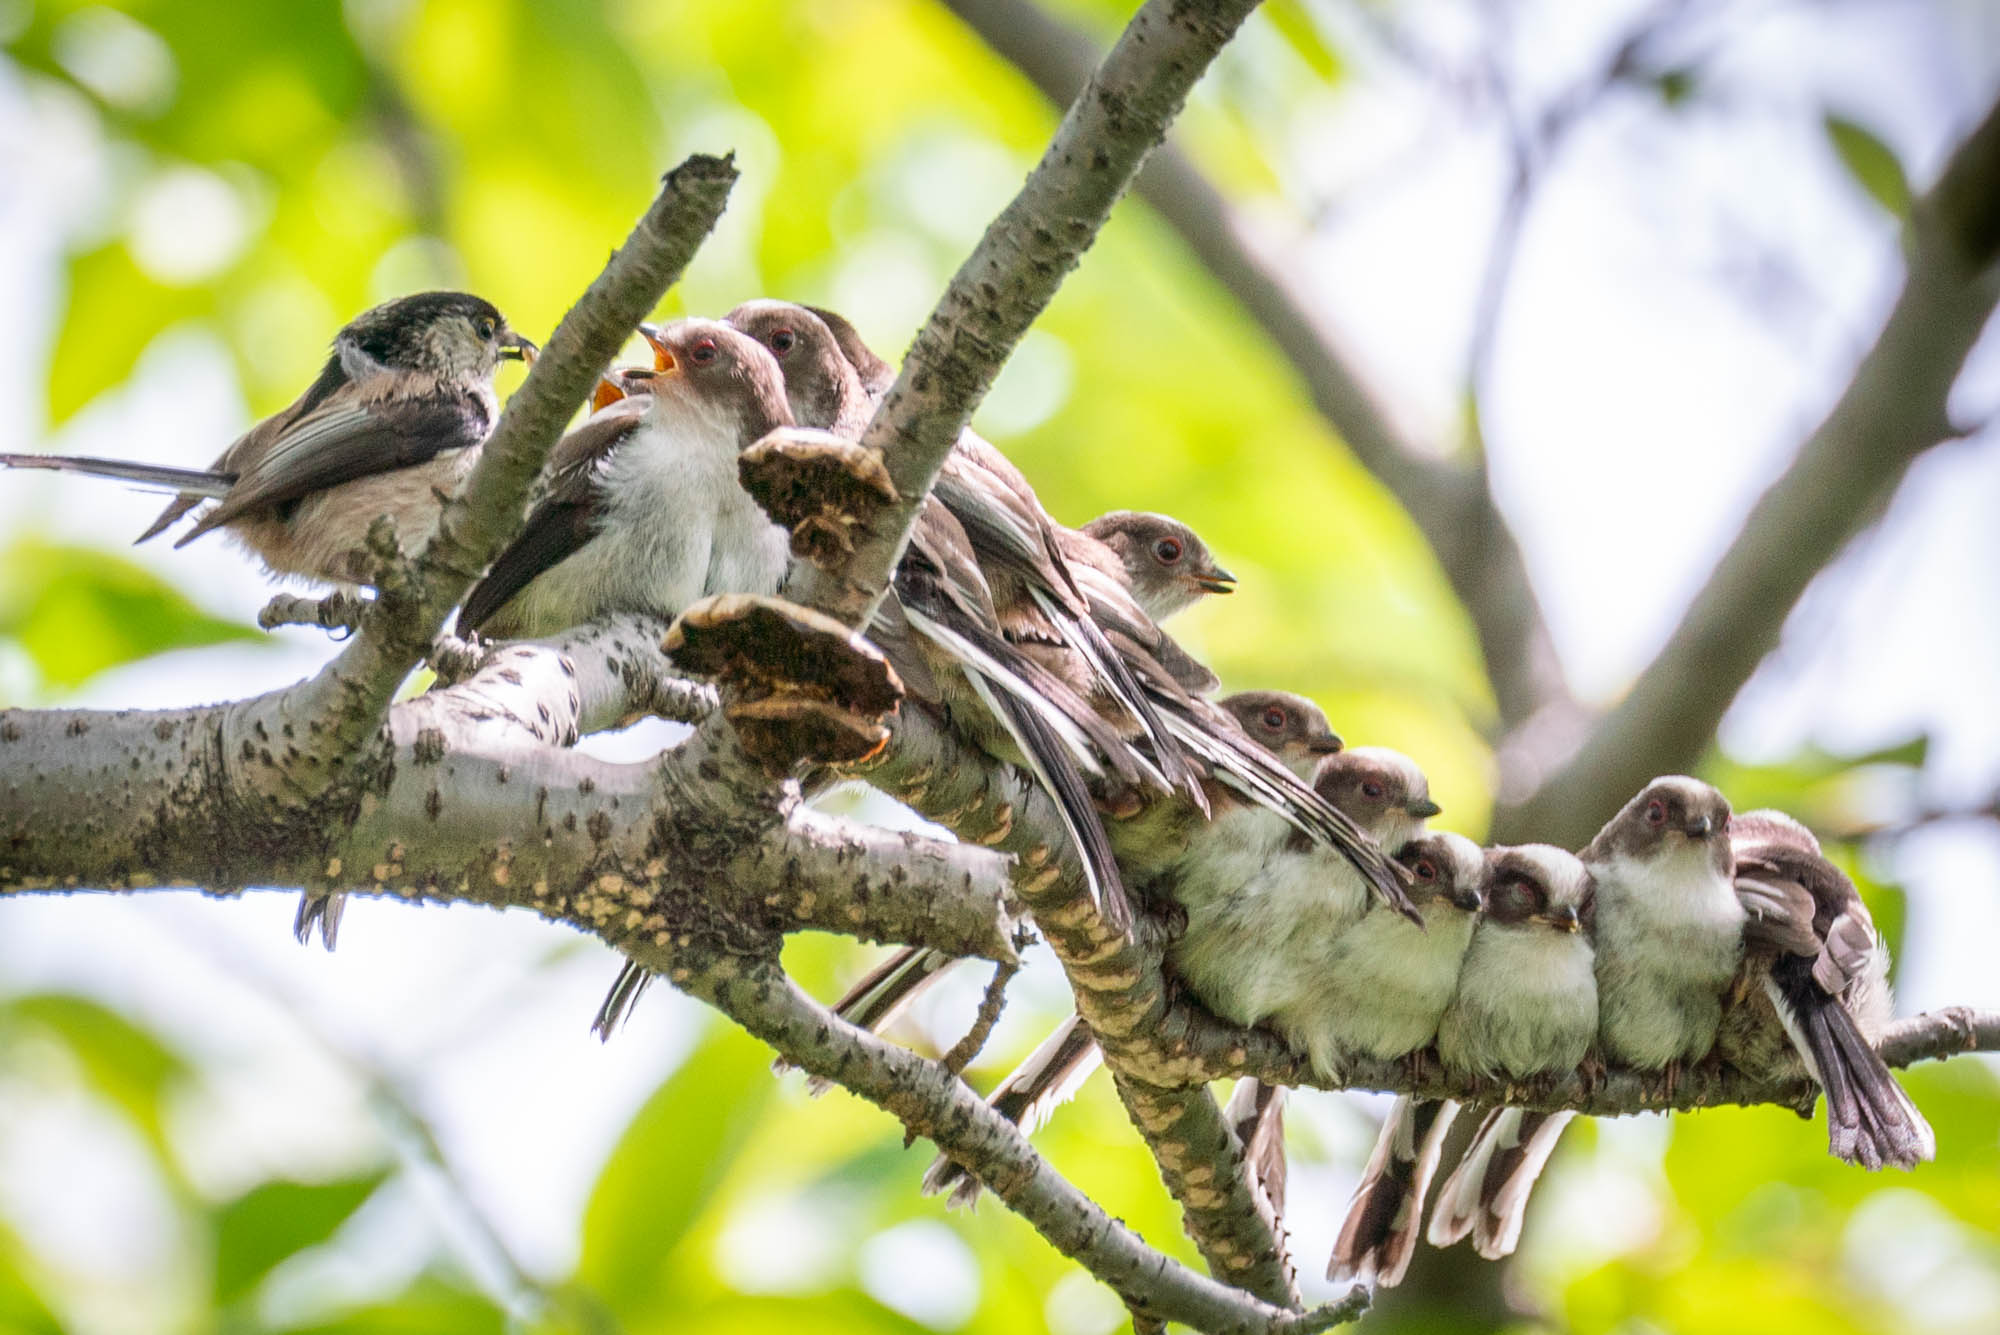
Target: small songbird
pixel 393 423
pixel 1815 985
pixel 1170 568
pixel 1289 726
pixel 1386 980
pixel 1265 907
pixel 1526 1005
pixel 1669 924
pixel 643 511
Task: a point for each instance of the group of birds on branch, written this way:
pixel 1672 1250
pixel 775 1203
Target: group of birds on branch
pixel 1294 881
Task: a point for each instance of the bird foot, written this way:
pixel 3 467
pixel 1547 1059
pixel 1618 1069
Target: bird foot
pixel 335 612
pixel 818 485
pixel 1670 1079
pixel 1418 1065
pixel 796 684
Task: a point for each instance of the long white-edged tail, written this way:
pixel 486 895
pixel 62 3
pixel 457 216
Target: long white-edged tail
pixel 1486 1196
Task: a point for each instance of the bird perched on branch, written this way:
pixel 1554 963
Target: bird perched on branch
pixel 1816 982
pixel 391 426
pixel 1669 935
pixel 1526 1005
pixel 1168 566
pixel 643 511
pixel 1265 910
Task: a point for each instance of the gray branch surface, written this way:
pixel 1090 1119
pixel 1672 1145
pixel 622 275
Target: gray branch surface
pixel 1892 411
pixel 1119 112
pixel 1449 500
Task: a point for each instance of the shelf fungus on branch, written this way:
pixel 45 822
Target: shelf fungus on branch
pixel 820 486
pixel 796 684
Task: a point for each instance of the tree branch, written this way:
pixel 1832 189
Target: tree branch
pixel 476 803
pixel 930 1101
pixel 1893 410
pixel 1449 502
pixel 1118 986
pixel 1119 113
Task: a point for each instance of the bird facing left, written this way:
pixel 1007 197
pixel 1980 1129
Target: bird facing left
pixel 394 421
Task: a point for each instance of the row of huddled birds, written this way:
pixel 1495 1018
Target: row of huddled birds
pixel 1297 879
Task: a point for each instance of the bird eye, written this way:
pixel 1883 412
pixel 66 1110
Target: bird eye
pixel 1274 719
pixel 486 328
pixel 1425 869
pixel 1372 789
pixel 1167 550
pixel 1656 812
pixel 783 341
pixel 703 352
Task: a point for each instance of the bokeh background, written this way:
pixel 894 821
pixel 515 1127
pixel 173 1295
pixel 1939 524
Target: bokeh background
pixel 204 1127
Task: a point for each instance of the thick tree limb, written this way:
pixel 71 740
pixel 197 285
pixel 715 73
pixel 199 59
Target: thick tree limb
pixel 1893 410
pixel 474 803
pixel 1449 502
pixel 1119 113
pixel 928 1100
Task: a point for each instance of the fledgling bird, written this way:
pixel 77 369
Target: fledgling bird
pixel 1289 726
pixel 1669 924
pixel 1815 985
pixel 394 421
pixel 1266 908
pixel 1170 568
pixel 1386 981
pixel 1526 1005
pixel 643 511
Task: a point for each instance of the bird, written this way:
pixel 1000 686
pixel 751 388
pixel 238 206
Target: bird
pixel 1816 985
pixel 392 424
pixel 1265 907
pixel 1169 566
pixel 1526 1005
pixel 643 511
pixel 1669 924
pixel 1088 634
pixel 1289 726
pixel 1386 981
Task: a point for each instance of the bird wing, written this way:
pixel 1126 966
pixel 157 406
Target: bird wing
pixel 565 520
pixel 344 439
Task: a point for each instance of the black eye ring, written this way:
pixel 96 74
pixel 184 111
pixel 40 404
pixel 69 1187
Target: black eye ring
pixel 783 341
pixel 487 329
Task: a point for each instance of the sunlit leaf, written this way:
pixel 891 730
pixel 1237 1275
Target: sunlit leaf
pixel 80 610
pixel 431 1306
pixel 276 1220
pixel 660 1177
pixel 1872 163
pixel 131 1068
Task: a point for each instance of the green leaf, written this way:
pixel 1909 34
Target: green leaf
pixel 1871 163
pixel 428 1307
pixel 22 1311
pixel 132 1069
pixel 664 1171
pixel 78 611
pixel 275 1221
pixel 1296 26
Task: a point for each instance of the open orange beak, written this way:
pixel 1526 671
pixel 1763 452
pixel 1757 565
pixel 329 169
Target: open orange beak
pixel 609 390
pixel 656 335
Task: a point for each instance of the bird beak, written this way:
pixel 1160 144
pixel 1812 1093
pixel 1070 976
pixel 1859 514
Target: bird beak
pixel 1326 745
pixel 515 348
pixel 663 357
pixel 608 392
pixel 1215 580
pixel 1566 921
pixel 1700 829
pixel 1425 809
pixel 1468 898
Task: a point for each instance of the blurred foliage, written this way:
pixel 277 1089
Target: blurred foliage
pixel 261 172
